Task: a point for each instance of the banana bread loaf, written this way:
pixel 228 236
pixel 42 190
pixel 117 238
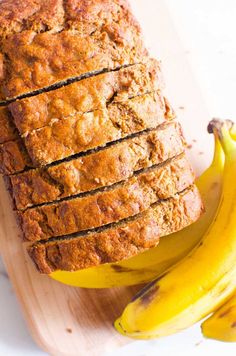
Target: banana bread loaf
pixel 93 160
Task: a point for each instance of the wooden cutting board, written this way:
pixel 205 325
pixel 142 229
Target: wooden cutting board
pixel 73 321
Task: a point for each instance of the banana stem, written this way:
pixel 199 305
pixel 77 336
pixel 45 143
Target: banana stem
pixel 223 130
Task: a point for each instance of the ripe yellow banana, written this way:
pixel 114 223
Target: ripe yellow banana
pixel 222 324
pixel 150 264
pixel 203 280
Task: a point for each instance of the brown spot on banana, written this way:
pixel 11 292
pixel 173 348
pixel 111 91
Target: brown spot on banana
pixel 148 297
pixel 227 311
pixel 121 269
pixel 148 286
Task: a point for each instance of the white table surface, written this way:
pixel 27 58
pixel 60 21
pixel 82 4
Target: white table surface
pixel 207 29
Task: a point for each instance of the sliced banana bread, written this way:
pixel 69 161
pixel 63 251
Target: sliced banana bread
pixel 97 169
pixel 86 95
pixel 120 241
pixel 80 133
pixel 111 205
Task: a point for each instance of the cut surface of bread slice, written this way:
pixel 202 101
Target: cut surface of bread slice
pixel 86 95
pixel 98 169
pixel 8 130
pixel 81 133
pixel 120 241
pixel 13 157
pixel 32 61
pixel 108 206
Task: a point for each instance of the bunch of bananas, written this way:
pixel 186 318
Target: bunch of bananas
pixel 205 278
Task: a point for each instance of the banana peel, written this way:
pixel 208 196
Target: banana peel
pixel 222 324
pixel 152 263
pixel 202 281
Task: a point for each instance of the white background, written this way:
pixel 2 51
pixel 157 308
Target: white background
pixel 207 30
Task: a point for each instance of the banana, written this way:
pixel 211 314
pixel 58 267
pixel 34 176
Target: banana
pixel 222 324
pixel 203 280
pixel 152 263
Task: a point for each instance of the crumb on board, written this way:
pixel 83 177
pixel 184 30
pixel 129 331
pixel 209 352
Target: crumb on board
pixel 200 152
pixel 69 330
pixel 4 274
pixel 198 343
pixel 181 107
pixel 189 146
pixel 194 140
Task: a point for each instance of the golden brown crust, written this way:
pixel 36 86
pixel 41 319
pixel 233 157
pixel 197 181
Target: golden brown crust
pixel 120 241
pixel 38 15
pixel 44 15
pixel 119 202
pixel 13 157
pixel 99 169
pixel 80 133
pixel 86 95
pixel 32 60
pixel 8 130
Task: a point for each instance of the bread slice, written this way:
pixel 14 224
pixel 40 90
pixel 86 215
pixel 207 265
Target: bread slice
pixel 97 169
pixel 110 205
pixel 86 95
pixel 97 35
pixel 81 133
pixel 119 241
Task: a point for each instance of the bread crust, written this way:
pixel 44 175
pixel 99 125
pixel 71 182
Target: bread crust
pixel 120 241
pixel 54 15
pixel 97 169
